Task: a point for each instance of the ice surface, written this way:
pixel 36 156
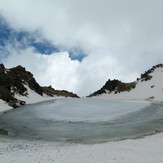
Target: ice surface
pixel 91 110
pixel 83 120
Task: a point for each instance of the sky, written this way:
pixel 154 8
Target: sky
pixel 77 45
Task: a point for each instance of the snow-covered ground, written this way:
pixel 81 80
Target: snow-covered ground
pixel 34 97
pixel 145 150
pixel 4 106
pixel 146 90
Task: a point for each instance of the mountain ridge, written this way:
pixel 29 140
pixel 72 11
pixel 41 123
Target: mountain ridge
pixel 16 82
pixel 148 81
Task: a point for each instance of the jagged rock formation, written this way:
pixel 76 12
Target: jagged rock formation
pixel 116 86
pixel 51 92
pixel 6 85
pixel 20 77
pixel 13 81
pixel 146 76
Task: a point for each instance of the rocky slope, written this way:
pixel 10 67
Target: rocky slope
pixel 14 83
pixel 115 86
pixel 148 86
pixel 51 92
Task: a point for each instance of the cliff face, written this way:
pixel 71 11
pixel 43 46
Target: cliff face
pixel 116 86
pixel 13 81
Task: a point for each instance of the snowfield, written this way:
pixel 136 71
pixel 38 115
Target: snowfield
pixel 4 106
pixel 145 150
pixel 33 97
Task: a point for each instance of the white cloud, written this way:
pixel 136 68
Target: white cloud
pixel 56 69
pixel 121 38
pixel 61 72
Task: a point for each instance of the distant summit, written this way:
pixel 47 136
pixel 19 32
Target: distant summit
pixel 115 86
pixel 148 87
pixel 16 83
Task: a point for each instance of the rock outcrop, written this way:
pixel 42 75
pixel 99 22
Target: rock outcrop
pixel 116 86
pixel 20 77
pixel 6 85
pixel 14 80
pixel 146 76
pixel 52 92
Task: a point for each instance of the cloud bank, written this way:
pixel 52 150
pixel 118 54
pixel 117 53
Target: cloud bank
pixel 121 39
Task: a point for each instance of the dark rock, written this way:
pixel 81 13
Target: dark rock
pixel 21 77
pixel 117 86
pixel 146 76
pixel 2 69
pixel 14 81
pixel 52 92
pixel 3 132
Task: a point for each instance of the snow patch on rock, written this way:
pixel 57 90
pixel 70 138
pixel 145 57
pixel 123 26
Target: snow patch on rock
pixel 144 90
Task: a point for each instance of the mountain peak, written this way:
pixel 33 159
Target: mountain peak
pixel 15 82
pixel 148 86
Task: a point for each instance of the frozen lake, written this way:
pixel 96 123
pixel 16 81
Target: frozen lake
pixel 83 120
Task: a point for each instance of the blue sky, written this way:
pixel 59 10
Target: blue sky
pixel 23 39
pixel 78 45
